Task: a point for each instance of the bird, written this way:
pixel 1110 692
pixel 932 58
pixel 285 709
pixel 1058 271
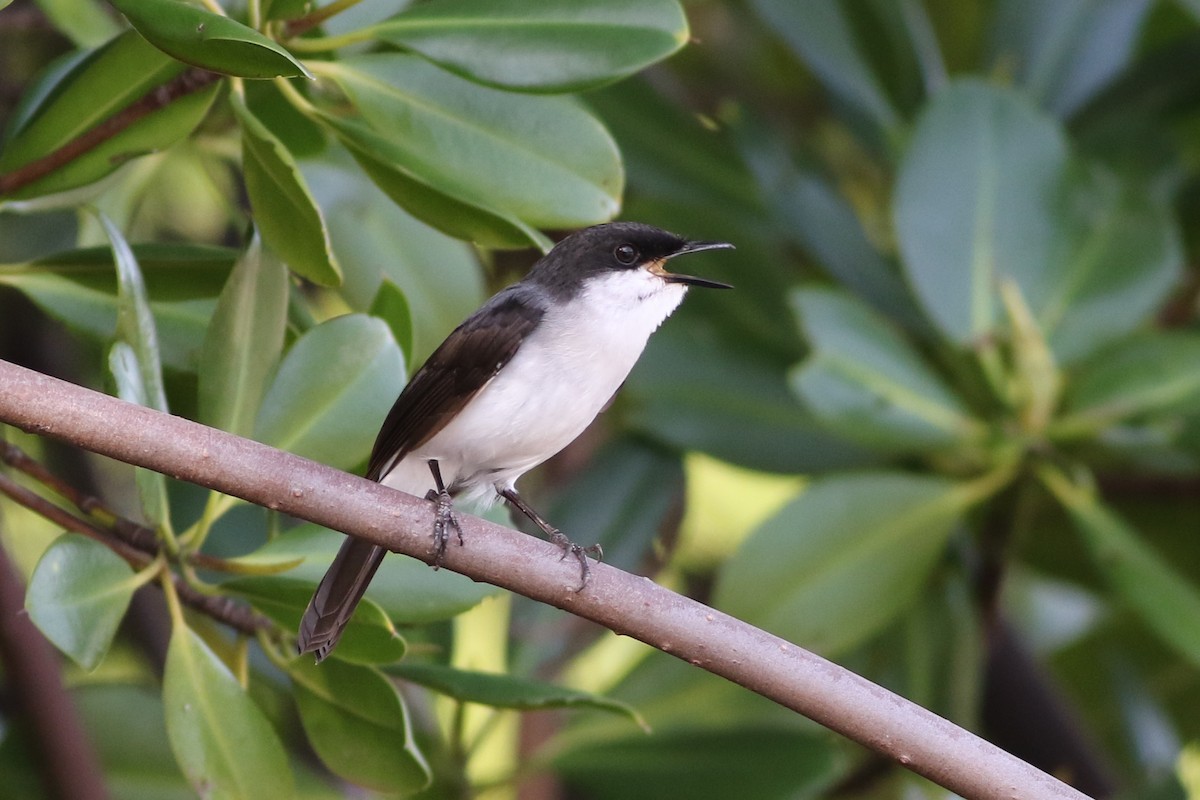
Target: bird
pixel 510 387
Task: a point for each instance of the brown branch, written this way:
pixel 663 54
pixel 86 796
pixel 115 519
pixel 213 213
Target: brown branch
pixel 192 80
pixel 627 604
pixel 69 766
pixel 219 607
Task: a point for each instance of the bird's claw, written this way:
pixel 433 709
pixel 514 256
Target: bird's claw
pixel 579 553
pixel 443 521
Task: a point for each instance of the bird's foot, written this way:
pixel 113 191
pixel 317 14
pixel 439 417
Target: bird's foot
pixel 444 521
pixel 578 552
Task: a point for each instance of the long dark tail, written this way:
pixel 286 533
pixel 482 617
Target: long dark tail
pixel 337 595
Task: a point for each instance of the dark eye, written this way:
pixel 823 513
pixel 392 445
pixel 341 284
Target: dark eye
pixel 625 253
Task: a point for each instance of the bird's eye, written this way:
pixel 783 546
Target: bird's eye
pixel 625 253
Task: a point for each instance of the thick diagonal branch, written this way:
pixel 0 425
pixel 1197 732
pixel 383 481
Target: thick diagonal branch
pixel 627 604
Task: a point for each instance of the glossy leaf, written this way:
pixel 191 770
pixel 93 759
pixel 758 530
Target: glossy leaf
pixel 821 33
pixel 1164 599
pixel 243 342
pixel 559 45
pixel 728 402
pixel 408 590
pixel 212 41
pixel 505 691
pixel 134 361
pixel 370 637
pixel 867 383
pixel 1065 52
pixel 337 376
pixel 358 725
pixel 221 739
pixel 438 205
pixel 544 160
pixel 1155 373
pixel 976 202
pixel 93 89
pixel 288 218
pixel 78 596
pixel 844 558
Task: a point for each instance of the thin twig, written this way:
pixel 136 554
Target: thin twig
pixel 192 80
pixel 627 604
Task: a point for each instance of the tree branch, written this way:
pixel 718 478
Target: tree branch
pixel 627 604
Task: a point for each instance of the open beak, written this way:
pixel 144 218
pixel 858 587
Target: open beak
pixel 692 280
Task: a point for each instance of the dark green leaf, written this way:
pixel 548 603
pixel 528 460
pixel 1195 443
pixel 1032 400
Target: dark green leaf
pixel 284 211
pixel 408 590
pixel 505 691
pixel 729 402
pixel 821 33
pixel 1155 373
pixel 358 724
pixel 391 306
pixel 215 42
pixel 220 738
pixel 338 376
pixel 544 160
pixel 1165 601
pixel 243 342
pixel 92 90
pixel 78 595
pixel 844 558
pixel 541 45
pixel 370 637
pixel 976 202
pixel 866 383
pixel 1063 53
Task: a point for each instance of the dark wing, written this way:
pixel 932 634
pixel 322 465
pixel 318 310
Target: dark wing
pixel 470 357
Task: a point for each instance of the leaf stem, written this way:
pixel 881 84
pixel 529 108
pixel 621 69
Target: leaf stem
pixel 323 44
pixel 309 21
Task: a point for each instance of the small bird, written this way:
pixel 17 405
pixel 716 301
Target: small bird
pixel 510 387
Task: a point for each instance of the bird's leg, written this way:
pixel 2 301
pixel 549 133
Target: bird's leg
pixel 556 536
pixel 444 518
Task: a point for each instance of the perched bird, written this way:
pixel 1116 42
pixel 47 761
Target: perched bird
pixel 511 386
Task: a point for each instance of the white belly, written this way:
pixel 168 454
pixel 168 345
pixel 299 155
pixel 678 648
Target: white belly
pixel 559 380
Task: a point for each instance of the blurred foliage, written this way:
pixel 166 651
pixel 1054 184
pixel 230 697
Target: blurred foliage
pixel 966 312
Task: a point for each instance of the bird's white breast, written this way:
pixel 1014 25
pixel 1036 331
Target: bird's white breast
pixel 559 380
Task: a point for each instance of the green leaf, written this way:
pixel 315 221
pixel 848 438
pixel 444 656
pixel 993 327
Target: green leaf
pixel 1064 53
pixel 868 384
pixel 284 210
pixel 1155 373
pixel 506 691
pixel 391 306
pixel 221 739
pixel 214 42
pixel 79 289
pixel 976 201
pixel 408 590
pixel 728 401
pixel 134 361
pixel 357 723
pixel 370 637
pixel 1165 601
pixel 544 160
pixel 822 34
pixel 92 90
pixel 540 46
pixel 439 276
pixel 78 595
pixel 243 342
pixel 844 558
pixel 338 376
pixel 88 23
pixel 445 208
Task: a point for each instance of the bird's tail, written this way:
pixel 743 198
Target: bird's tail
pixel 337 595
